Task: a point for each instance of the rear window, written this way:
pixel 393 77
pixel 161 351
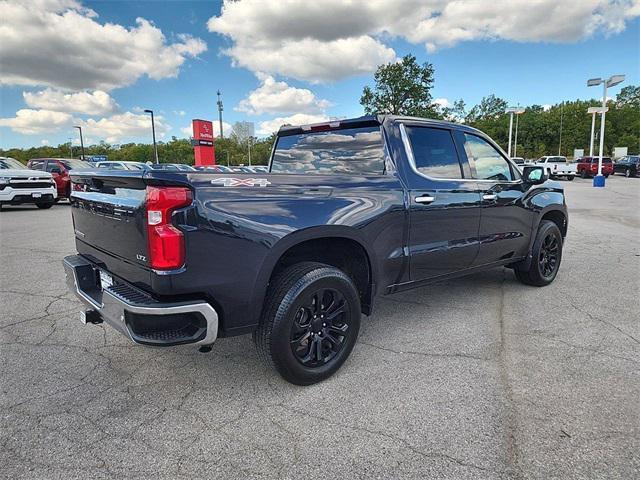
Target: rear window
pixel 350 151
pixel 557 160
pixel 73 164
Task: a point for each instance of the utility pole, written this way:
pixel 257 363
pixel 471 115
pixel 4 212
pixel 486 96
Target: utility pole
pixel 153 132
pixel 561 118
pixel 70 147
pixel 220 108
pixel 249 141
pixel 81 140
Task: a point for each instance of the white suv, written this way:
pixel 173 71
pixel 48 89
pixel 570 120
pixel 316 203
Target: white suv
pixel 20 185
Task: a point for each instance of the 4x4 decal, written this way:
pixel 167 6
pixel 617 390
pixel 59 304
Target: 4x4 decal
pixel 241 182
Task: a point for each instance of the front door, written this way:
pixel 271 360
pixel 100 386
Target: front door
pixel 444 204
pixel 505 226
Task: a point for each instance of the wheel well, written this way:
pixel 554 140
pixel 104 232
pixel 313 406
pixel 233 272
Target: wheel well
pixel 343 253
pixel 559 219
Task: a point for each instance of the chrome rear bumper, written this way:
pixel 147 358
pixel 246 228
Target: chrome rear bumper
pixel 136 314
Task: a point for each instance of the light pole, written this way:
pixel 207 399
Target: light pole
pixel 561 118
pixel 70 147
pixel 153 132
pixel 511 111
pixel 593 111
pixel 598 180
pixel 81 141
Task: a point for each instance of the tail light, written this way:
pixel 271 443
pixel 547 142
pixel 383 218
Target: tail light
pixel 166 242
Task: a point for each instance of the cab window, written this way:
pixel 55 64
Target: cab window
pixel 434 152
pixel 485 161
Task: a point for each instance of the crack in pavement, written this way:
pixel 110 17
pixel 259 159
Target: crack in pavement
pixel 427 354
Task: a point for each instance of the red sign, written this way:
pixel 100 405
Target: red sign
pixel 202 130
pixel 203 142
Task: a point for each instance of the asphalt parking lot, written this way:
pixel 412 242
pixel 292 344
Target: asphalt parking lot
pixel 480 377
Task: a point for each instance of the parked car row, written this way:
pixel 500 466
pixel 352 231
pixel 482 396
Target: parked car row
pixel 558 166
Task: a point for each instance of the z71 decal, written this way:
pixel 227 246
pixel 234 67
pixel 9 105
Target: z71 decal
pixel 241 182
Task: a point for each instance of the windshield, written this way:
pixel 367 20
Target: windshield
pixel 356 151
pixel 11 163
pixel 72 163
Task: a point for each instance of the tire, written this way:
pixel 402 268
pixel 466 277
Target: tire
pixel 287 337
pixel 627 172
pixel 570 178
pixel 583 174
pixel 44 206
pixel 540 272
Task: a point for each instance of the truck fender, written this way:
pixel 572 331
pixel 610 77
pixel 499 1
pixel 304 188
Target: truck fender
pixel 295 238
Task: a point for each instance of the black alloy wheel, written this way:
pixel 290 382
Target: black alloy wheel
pixel 627 172
pixel 310 322
pixel 548 256
pixel 320 327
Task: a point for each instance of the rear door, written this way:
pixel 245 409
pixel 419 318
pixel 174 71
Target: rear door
pixel 505 225
pixel 444 203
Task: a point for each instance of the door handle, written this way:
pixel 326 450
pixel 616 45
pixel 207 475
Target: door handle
pixel 425 199
pixel 489 196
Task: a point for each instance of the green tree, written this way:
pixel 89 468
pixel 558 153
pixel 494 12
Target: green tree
pixel 401 88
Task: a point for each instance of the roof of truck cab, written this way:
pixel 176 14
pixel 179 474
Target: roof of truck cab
pixel 372 120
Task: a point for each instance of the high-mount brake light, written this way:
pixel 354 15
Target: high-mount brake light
pixel 322 127
pixel 166 242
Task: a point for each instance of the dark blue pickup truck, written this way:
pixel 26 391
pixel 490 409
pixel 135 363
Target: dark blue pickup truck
pixel 349 210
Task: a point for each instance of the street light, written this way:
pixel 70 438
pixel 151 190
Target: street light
pixel 593 111
pixel 511 111
pixel 81 141
pixel 153 131
pixel 598 180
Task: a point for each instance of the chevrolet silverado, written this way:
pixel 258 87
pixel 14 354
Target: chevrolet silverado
pixel 349 210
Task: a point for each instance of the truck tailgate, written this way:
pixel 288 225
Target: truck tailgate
pixel 109 214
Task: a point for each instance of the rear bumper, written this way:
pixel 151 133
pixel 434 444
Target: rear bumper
pixel 136 314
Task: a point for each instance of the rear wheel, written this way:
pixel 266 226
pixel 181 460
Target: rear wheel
pixel 546 256
pixel 310 323
pixel 44 205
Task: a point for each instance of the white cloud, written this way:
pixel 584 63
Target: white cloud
pixel 60 43
pixel 44 141
pixel 90 103
pixel 332 39
pixel 180 113
pixel 279 97
pixel 188 130
pixel 32 122
pixel 443 102
pixel 123 126
pixel 269 126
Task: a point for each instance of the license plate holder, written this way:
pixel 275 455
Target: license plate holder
pixel 106 280
pixel 36 195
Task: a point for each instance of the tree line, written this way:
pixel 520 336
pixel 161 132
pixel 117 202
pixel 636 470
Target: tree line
pixel 229 151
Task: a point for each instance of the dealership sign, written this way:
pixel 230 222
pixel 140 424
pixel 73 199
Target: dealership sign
pixel 203 142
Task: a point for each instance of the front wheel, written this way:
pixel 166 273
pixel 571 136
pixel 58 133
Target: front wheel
pixel 310 323
pixel 570 178
pixel 44 206
pixel 627 172
pixel 583 174
pixel 546 255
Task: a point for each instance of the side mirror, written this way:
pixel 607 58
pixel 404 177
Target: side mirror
pixel 534 175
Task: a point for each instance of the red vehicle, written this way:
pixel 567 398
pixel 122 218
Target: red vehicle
pixel 588 166
pixel 59 169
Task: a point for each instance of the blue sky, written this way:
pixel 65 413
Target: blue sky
pixel 544 65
